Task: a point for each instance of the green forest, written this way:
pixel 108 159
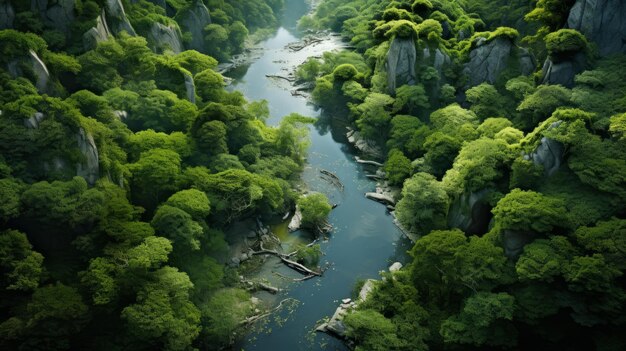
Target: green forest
pixel 124 159
pixel 503 124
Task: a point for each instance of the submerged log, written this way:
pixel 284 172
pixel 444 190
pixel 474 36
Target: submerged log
pixel 291 80
pixel 367 162
pixel 261 286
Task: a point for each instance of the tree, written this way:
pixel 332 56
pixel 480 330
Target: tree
pixel 10 192
pixel 163 316
pixel 424 204
pixel 442 149
pixel 179 226
pixel 371 330
pixel 222 315
pixel 486 101
pixel 315 209
pixel 482 321
pixel 530 211
pixel 607 238
pixel 397 167
pixel 21 267
pixel 154 175
pixel 192 201
pixel 209 86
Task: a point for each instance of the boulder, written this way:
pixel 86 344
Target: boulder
pixel 193 20
pixel 7 15
pixel 96 34
pixel 116 18
pixel 90 167
pixel 489 58
pixel 396 266
pixel 549 154
pixel 563 71
pixel 162 37
pixel 58 14
pixel 400 63
pixel 470 212
pixel 296 220
pixel 601 21
pixel 363 145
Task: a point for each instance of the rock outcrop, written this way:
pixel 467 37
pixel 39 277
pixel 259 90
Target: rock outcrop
pixel 563 71
pixel 400 63
pixel 335 325
pixel 471 212
pixel 58 14
pixel 162 37
pixel 34 120
pixel 36 66
pixel 193 20
pixel 90 167
pixel 7 15
pixel 514 242
pixel 363 145
pixel 601 21
pixel 190 87
pixel 490 58
pixel 116 18
pixel 96 34
pixel 549 154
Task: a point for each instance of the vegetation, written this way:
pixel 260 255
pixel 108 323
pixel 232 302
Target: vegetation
pixel 120 173
pixel 513 188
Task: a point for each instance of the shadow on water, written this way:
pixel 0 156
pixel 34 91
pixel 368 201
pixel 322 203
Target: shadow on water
pixel 364 241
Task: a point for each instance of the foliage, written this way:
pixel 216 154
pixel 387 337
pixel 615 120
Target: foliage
pixel 314 208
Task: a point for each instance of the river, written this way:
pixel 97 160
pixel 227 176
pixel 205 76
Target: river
pixel 364 241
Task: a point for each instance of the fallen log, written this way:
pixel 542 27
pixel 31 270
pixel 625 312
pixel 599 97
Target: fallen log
pixel 367 162
pixel 291 80
pixel 298 267
pixel 374 176
pixel 266 314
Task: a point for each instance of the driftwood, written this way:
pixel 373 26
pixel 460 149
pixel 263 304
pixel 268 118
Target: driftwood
pixel 291 80
pixel 367 162
pixel 374 176
pixel 289 263
pixel 261 286
pixel 255 318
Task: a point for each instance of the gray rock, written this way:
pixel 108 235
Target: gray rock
pixel 58 14
pixel 193 20
pixel 116 18
pixel 396 266
pixel 549 154
pixel 190 87
pixel 234 262
pixel 563 72
pixel 489 59
pixel 601 21
pixel 7 15
pixel 90 167
pixel 41 72
pixel 400 63
pixel 514 242
pixel 470 212
pixel 162 37
pixel 96 34
pixel 367 288
pixel 34 120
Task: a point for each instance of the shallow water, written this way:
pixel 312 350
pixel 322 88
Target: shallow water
pixel 365 240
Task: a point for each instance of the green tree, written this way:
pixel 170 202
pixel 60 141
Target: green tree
pixel 424 204
pixel 315 209
pixel 397 167
pixel 371 330
pixel 154 176
pixel 21 267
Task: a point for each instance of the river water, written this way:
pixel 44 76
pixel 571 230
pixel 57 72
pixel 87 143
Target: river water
pixel 364 241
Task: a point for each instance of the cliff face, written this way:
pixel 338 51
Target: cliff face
pixel 489 59
pixel 400 64
pixel 162 37
pixel 116 18
pixel 7 15
pixel 57 14
pixel 193 20
pixel 601 21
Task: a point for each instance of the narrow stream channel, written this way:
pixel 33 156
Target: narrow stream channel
pixel 365 240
